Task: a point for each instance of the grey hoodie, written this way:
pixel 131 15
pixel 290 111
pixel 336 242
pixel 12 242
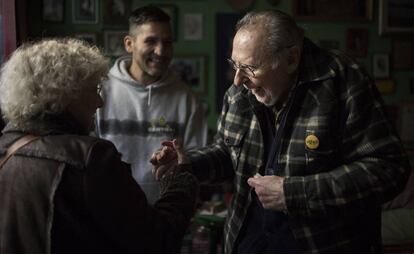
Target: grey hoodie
pixel 136 118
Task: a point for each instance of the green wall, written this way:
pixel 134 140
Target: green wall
pixel 316 30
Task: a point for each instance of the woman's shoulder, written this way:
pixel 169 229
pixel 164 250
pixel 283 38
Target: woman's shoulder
pixel 71 149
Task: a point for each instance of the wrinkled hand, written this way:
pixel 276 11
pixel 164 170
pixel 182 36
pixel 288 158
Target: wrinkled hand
pixel 269 190
pixel 167 159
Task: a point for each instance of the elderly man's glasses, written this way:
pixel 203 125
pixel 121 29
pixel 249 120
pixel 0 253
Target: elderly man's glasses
pixel 244 68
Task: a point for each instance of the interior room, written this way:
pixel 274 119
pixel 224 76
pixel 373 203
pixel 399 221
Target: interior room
pixel 377 35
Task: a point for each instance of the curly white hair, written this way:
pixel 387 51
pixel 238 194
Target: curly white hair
pixel 46 76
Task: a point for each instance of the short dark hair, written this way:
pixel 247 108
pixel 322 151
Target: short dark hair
pixel 145 14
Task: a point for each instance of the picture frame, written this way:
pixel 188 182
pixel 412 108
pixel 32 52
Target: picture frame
pixel 380 65
pixel 345 10
pixel 193 26
pixel 357 42
pixel 53 11
pixel 172 11
pixel 385 86
pixel 116 12
pixel 402 54
pixel 406 122
pixel 192 70
pixel 114 42
pixel 395 16
pixel 88 37
pixel 85 11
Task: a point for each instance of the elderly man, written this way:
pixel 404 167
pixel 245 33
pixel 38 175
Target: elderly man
pixel 304 133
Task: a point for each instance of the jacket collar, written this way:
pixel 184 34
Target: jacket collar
pixel 315 64
pixel 48 125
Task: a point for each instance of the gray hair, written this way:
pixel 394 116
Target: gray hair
pixel 46 76
pixel 280 28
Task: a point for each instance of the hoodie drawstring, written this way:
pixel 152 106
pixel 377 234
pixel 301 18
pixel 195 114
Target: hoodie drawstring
pixel 149 96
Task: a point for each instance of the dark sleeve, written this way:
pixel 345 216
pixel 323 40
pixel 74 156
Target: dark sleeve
pixel 120 208
pixel 213 163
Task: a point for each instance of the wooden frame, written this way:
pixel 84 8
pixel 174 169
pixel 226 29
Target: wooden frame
pixel 395 17
pixel 357 42
pixel 116 12
pixel 88 37
pixel 114 42
pixel 53 10
pixel 193 26
pixel 357 10
pixel 192 70
pixel 402 54
pixel 85 11
pixel 171 10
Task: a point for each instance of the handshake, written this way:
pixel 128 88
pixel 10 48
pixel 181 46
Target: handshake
pixel 169 159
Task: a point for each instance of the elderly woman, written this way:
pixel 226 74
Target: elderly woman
pixel 62 191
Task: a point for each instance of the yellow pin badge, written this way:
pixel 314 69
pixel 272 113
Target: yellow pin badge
pixel 312 142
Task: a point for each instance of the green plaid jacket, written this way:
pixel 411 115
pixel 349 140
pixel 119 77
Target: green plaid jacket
pixel 334 192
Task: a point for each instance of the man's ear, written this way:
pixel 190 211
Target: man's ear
pixel 293 59
pixel 128 43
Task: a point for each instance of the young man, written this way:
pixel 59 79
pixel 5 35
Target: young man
pixel 304 136
pixel 145 102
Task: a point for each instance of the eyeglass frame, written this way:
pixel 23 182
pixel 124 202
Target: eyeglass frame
pixel 243 67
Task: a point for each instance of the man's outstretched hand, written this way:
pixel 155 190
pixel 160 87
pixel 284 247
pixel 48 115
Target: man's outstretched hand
pixel 167 159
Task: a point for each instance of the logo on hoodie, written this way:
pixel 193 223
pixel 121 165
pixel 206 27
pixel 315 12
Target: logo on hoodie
pixel 160 126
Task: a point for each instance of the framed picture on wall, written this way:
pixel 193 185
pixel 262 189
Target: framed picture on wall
pixel 53 10
pixel 395 16
pixel 85 11
pixel 88 37
pixel 193 26
pixel 116 12
pixel 171 10
pixel 357 42
pixel 357 10
pixel 192 70
pixel 402 54
pixel 380 66
pixel 114 43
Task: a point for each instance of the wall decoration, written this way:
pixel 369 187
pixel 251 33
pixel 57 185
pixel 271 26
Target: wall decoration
pixel 193 27
pixel 171 10
pixel 53 10
pixel 396 16
pixel 357 10
pixel 85 11
pixel 241 5
pixel 116 12
pixel 380 65
pixel 402 54
pixel 88 37
pixel 407 122
pixel 192 70
pixel 357 42
pixel 114 43
pixel 385 86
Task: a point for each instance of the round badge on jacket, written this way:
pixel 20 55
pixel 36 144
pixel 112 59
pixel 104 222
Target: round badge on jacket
pixel 312 142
